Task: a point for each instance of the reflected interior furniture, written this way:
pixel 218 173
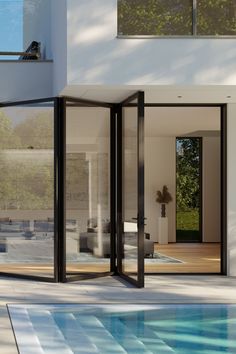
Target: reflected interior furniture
pixel 89 241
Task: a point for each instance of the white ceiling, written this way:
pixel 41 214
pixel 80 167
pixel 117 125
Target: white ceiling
pixel 177 121
pixel 83 122
pixel 154 93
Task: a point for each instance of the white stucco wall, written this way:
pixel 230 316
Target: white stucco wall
pixel 37 25
pixel 231 193
pixel 59 44
pixel 96 56
pixel 25 80
pixel 46 21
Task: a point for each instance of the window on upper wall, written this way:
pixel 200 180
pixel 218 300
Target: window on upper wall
pixel 216 17
pixel 176 17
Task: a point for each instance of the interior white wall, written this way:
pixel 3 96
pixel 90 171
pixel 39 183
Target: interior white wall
pixel 211 189
pixel 231 190
pixel 159 171
pixel 37 25
pixel 162 126
pixel 97 56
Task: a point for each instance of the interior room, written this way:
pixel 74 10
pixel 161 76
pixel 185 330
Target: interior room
pixel 182 154
pixel 187 239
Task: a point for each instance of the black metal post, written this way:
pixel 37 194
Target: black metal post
pixel 60 189
pixel 113 263
pixel 224 189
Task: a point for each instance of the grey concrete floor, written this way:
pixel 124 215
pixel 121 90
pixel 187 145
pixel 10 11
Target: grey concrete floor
pixel 158 289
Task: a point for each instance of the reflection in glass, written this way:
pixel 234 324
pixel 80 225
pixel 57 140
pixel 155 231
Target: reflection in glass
pixel 160 17
pixel 11 19
pixel 26 190
pixel 130 191
pixel 87 190
pixel 216 17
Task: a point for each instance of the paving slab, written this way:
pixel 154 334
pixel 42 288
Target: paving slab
pixel 159 289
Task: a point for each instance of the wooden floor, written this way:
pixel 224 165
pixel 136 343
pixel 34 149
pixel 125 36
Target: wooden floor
pixel 195 257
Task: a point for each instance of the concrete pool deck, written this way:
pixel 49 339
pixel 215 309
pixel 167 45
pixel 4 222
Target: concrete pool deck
pixel 159 289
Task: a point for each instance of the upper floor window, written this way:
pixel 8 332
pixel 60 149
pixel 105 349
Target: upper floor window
pixel 176 17
pixel 216 17
pixel 11 22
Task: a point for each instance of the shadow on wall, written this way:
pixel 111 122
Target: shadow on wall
pixel 96 56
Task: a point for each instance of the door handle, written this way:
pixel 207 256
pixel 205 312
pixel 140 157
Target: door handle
pixel 141 220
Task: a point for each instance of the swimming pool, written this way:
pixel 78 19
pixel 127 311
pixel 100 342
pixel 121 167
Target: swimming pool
pixel 108 329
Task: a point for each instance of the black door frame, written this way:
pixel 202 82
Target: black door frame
pixel 59 185
pixel 59 104
pixel 139 96
pixel 53 100
pixel 77 102
pixel 223 192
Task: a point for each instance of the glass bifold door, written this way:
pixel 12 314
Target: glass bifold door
pixel 72 189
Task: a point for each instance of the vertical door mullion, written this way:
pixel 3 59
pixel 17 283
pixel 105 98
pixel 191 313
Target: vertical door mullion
pixel 113 210
pixel 223 159
pixel 119 189
pixel 139 96
pixel 61 200
pixel 55 187
pixel 140 170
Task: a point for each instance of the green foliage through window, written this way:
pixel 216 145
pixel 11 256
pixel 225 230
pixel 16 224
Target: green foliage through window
pixel 175 17
pixel 188 189
pixel 26 159
pixel 216 17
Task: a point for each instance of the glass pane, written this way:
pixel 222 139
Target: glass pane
pixel 188 190
pixel 87 190
pixel 216 17
pixel 130 191
pixel 27 190
pixel 160 17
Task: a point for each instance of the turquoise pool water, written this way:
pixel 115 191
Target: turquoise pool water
pixel 108 329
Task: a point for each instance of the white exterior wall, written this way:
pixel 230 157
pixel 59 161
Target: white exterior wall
pixel 37 25
pixel 25 80
pixel 231 193
pixel 96 56
pixel 46 21
pixel 59 44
